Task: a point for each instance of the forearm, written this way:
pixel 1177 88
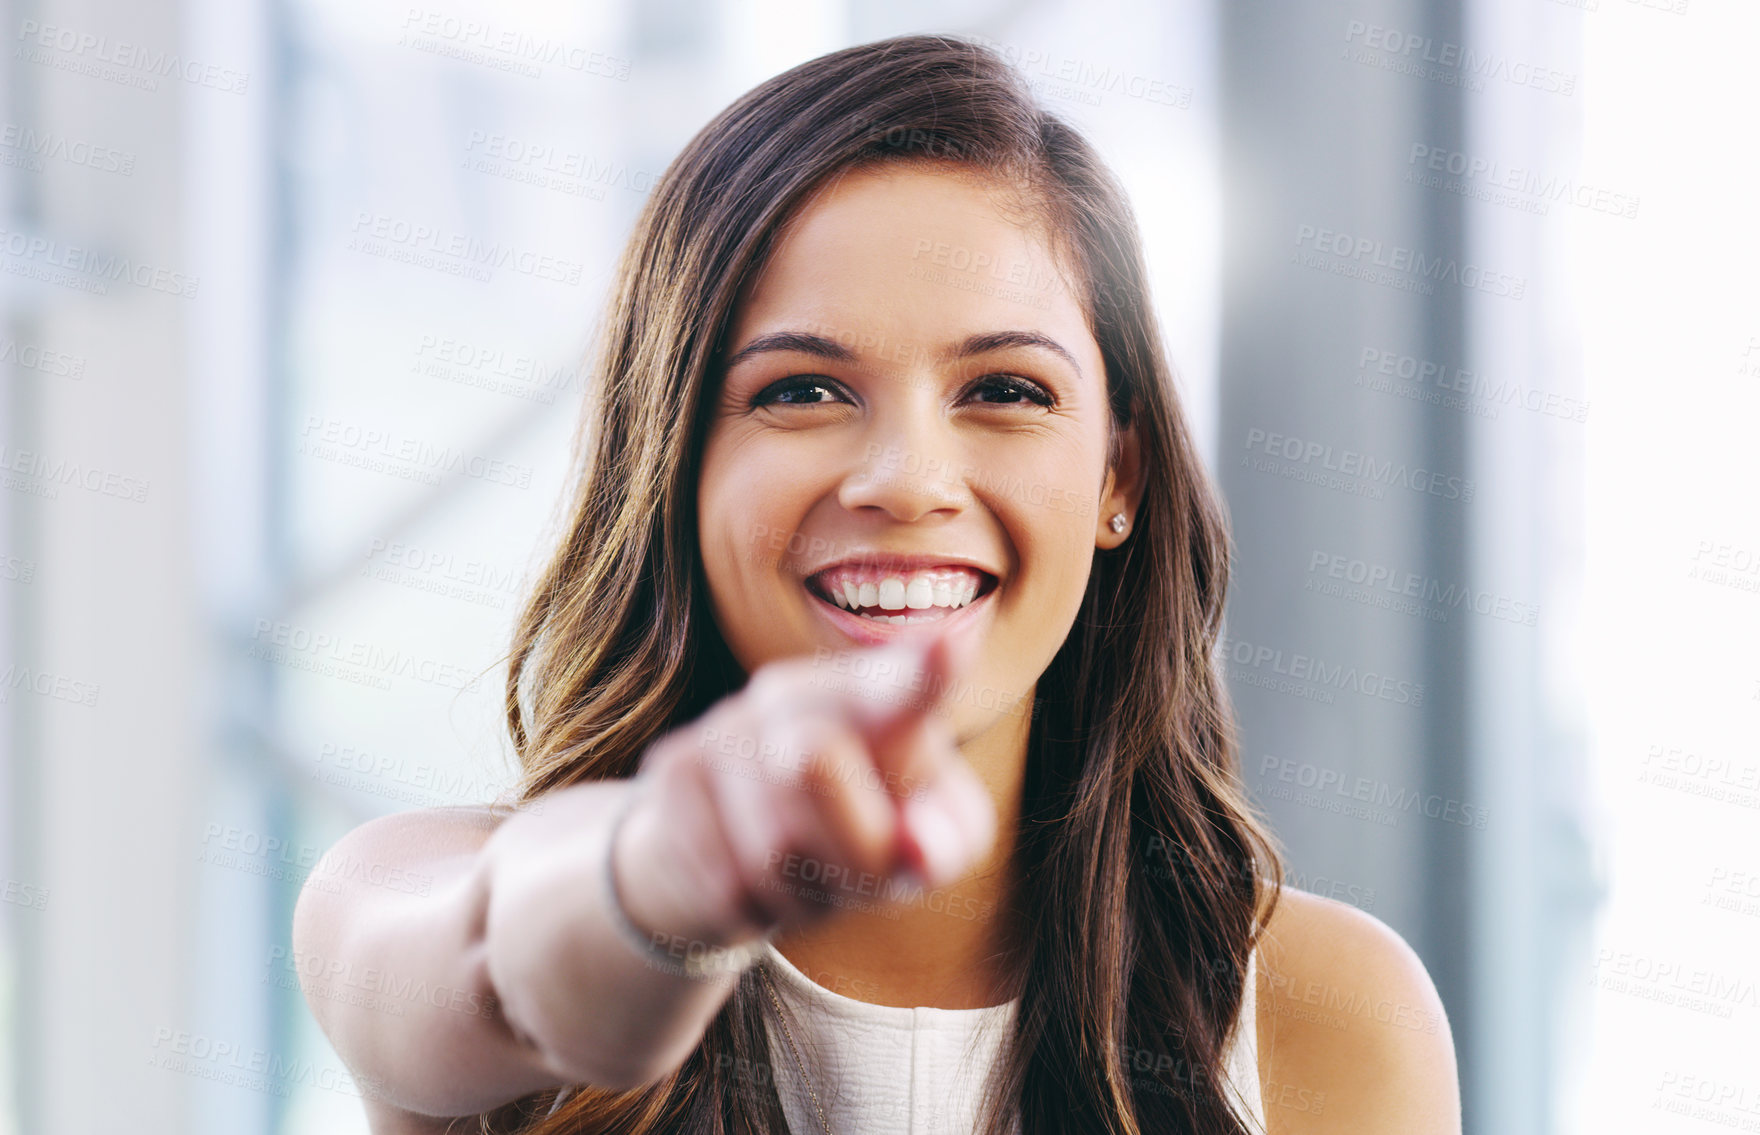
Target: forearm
pixel 589 1006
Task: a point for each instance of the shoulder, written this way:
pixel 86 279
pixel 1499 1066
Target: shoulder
pixel 1352 1035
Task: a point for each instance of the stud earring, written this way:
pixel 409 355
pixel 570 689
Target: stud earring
pixel 1118 522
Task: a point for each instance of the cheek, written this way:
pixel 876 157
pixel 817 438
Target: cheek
pixel 750 505
pixel 1049 484
pixel 1048 494
pixel 725 530
pixel 1057 550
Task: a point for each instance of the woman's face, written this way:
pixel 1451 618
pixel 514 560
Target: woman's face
pixel 913 413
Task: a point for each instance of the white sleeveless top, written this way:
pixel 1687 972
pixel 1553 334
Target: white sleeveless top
pixel 889 1070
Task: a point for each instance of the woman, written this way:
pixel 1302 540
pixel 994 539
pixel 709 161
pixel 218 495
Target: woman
pixel 884 423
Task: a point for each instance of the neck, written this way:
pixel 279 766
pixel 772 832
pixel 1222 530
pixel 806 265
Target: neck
pixel 949 947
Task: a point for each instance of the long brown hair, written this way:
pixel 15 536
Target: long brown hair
pixel 1150 875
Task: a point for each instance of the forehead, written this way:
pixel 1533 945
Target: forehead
pixel 905 255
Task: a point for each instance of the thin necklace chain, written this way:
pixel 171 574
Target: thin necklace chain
pixel 764 972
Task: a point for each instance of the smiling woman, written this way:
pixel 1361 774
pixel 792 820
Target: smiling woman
pixel 868 708
pixel 909 464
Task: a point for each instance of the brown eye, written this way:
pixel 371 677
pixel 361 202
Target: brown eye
pixel 1012 389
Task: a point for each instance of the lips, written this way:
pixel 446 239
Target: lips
pixel 888 593
pixel 883 627
pixel 873 595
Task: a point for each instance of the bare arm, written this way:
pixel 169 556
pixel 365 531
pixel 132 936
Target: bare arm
pixel 461 958
pixel 398 971
pixel 373 959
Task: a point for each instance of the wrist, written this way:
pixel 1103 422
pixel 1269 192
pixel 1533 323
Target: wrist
pixel 685 947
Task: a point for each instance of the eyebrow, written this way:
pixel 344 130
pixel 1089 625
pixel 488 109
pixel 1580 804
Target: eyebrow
pixel 818 345
pixel 798 341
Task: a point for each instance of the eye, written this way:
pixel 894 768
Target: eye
pixel 807 387
pixel 1012 389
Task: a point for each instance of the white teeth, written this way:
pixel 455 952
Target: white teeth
pixel 918 591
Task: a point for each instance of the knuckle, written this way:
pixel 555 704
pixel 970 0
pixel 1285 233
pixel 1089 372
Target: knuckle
pixel 748 896
pixel 668 764
pixel 760 835
pixel 659 753
pixel 828 755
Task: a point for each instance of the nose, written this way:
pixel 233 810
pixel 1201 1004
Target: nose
pixel 908 474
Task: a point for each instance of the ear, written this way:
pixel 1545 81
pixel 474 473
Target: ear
pixel 1122 491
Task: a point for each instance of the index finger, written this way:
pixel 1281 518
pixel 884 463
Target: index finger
pixel 900 696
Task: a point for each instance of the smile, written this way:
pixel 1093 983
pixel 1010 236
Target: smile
pixel 869 603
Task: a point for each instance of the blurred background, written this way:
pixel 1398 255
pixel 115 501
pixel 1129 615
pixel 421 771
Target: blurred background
pixel 1462 292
